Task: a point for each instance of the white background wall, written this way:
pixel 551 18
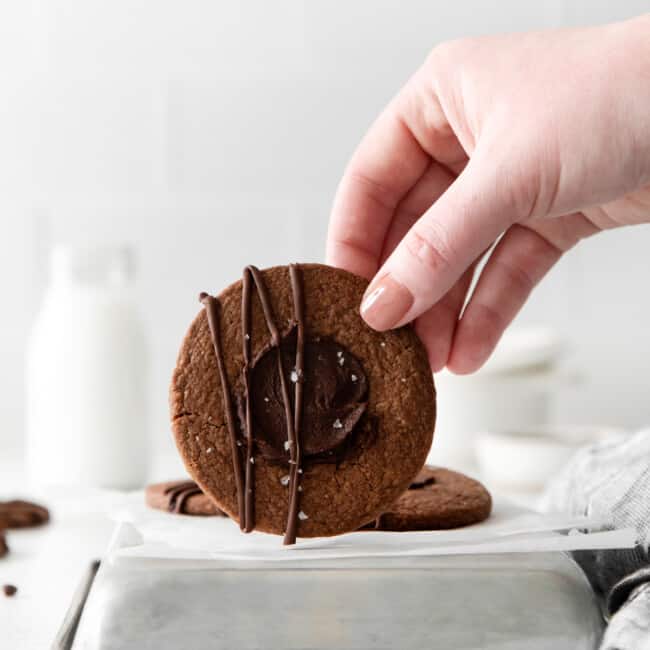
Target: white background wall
pixel 212 134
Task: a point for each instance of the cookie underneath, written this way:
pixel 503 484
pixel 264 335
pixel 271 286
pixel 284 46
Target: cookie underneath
pixel 438 499
pixel 181 497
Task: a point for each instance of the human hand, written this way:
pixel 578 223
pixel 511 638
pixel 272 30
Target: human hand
pixel 543 138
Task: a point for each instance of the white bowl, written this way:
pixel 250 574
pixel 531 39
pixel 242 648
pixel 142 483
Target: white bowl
pixel 524 370
pixel 526 459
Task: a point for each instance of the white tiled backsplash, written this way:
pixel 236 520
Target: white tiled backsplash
pixel 212 134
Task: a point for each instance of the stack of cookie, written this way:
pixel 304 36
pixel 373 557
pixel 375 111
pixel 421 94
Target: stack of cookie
pixel 438 499
pixel 293 417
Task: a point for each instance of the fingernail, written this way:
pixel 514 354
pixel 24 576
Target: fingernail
pixel 385 303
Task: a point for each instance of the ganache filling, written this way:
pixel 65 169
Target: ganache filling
pixel 335 399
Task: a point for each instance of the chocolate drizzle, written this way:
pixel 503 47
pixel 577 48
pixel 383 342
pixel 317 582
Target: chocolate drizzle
pixel 212 308
pixel 179 493
pixel 294 444
pixel 249 502
pixel 312 424
pixel 246 485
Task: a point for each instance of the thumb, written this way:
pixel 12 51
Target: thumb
pixel 464 222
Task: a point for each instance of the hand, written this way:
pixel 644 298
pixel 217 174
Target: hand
pixel 533 141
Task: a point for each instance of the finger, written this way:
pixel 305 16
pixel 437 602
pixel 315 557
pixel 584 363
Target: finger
pixel 519 261
pixel 426 191
pixel 391 158
pixel 440 247
pixel 383 169
pixel 436 327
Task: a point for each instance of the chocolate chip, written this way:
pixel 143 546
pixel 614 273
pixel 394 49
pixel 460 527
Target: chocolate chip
pixel 9 590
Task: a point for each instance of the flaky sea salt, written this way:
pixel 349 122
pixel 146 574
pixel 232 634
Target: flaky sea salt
pixel 287 444
pixel 196 438
pixel 383 344
pixel 302 516
pixel 285 480
pixel 353 377
pixel 266 399
pixel 247 337
pixel 294 376
pixel 337 424
pixel 341 361
pixel 209 450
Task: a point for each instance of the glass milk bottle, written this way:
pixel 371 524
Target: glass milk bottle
pixel 86 375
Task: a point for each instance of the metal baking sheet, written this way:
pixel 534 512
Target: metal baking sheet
pixel 527 602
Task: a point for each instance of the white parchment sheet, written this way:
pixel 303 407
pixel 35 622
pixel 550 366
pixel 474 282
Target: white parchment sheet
pixel 145 533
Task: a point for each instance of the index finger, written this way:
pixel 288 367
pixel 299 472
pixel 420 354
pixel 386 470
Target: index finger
pixel 385 166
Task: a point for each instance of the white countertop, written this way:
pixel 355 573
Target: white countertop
pixel 47 563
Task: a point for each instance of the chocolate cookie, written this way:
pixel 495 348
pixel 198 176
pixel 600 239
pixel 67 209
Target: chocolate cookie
pixel 289 409
pixel 437 499
pixel 22 514
pixel 180 497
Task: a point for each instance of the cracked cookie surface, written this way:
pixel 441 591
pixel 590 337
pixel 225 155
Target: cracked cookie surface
pixel 344 484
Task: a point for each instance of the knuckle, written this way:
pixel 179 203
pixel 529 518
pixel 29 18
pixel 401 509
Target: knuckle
pixel 379 193
pixel 490 323
pixel 518 278
pixel 429 245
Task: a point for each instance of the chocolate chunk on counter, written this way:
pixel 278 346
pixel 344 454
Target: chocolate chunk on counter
pixel 9 590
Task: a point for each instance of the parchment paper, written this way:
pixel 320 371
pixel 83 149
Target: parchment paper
pixel 146 533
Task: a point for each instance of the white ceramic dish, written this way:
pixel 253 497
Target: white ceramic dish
pixel 515 388
pixel 525 459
